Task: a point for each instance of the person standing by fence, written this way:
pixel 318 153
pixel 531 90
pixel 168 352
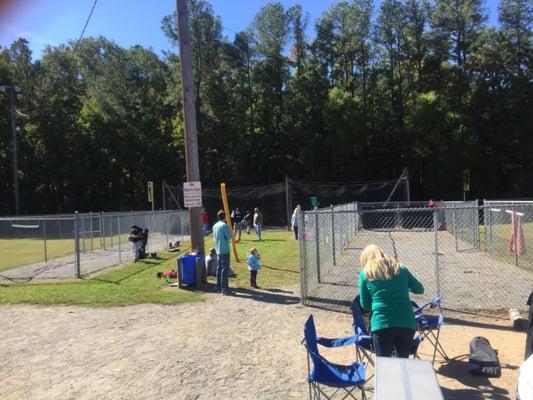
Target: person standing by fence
pixel 384 288
pixel 258 223
pixel 136 238
pixel 222 236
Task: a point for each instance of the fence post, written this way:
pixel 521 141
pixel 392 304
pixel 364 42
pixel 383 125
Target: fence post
pixel 333 234
pixel 455 227
pixel 356 215
pixel 317 239
pixel 112 233
pixel 91 227
pixel 303 258
pixel 119 240
pixel 102 230
pixel 165 223
pixel 44 237
pixel 436 234
pixel 490 229
pixel 77 243
pixel 515 233
pixel 398 225
pixel 83 232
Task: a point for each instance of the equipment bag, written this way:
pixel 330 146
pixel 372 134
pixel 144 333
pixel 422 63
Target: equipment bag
pixel 483 360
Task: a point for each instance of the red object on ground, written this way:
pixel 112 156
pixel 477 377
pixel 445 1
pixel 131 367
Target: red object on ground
pixel 170 274
pixel 517 243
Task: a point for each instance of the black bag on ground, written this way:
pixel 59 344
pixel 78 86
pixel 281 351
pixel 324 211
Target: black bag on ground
pixel 483 360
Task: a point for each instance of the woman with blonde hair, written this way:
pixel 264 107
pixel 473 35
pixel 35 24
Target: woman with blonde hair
pixel 384 287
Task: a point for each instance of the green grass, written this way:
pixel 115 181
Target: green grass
pixel 279 259
pixel 500 244
pixel 133 284
pixel 137 283
pixel 20 252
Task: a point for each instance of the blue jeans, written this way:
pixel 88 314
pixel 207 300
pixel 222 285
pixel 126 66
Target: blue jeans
pixel 258 231
pixel 222 272
pixel 389 339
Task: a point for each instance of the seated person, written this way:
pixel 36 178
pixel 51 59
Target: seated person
pixel 211 262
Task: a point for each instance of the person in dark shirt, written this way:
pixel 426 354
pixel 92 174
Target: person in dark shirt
pixel 237 222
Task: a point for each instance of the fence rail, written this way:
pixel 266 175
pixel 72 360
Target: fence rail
pixel 473 255
pixel 71 245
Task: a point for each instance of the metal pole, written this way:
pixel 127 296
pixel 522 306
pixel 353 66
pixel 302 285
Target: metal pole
pixel 455 227
pixel 102 229
pixel 192 166
pixel 303 258
pixel 83 233
pixel 515 232
pixel 166 227
pixel 490 229
pixel 436 234
pixel 163 194
pixel 15 155
pixel 287 202
pixel 77 243
pixel 44 236
pixel 356 212
pixel 317 238
pixel 333 234
pixel 407 185
pixel 119 240
pixel 91 227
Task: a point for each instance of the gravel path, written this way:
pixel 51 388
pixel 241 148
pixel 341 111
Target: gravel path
pixel 245 346
pixel 468 279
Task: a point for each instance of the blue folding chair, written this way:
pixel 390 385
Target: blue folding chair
pixel 429 325
pixel 340 377
pixel 364 345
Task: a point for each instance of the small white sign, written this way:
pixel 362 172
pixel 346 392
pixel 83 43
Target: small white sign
pixel 192 194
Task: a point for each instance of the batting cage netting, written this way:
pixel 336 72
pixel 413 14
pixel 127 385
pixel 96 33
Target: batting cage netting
pixel 277 201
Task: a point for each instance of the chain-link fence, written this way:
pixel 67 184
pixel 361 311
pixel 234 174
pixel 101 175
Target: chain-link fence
pixel 475 261
pixel 72 245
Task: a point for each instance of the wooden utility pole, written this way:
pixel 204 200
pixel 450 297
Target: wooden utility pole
pixel 189 115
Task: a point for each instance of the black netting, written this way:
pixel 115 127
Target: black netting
pixel 272 199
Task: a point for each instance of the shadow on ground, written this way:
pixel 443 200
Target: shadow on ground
pixel 479 387
pixel 275 296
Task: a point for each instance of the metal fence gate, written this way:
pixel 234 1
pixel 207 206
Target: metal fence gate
pixel 454 249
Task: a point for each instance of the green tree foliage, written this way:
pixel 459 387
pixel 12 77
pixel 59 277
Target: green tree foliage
pixel 421 84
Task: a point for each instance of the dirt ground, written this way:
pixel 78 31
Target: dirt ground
pixel 245 346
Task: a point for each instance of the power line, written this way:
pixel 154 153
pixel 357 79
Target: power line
pixel 86 23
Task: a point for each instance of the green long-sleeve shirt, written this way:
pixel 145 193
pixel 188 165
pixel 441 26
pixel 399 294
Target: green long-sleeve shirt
pixel 389 300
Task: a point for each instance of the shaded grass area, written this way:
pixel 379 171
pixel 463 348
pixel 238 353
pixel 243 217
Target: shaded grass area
pixel 137 283
pixel 132 284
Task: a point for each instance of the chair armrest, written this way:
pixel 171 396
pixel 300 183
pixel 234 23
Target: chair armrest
pixel 337 342
pixel 434 302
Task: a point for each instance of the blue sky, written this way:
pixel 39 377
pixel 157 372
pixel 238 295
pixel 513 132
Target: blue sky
pixel 130 22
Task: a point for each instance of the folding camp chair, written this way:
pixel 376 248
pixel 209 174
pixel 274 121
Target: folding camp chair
pixel 429 325
pixel 364 346
pixel 343 378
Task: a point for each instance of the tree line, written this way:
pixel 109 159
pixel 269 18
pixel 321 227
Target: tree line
pixel 418 84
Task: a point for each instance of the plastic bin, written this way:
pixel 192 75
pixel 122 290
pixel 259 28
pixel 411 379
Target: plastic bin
pixel 188 267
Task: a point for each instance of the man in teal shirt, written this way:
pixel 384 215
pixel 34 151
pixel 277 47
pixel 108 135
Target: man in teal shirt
pixel 222 235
